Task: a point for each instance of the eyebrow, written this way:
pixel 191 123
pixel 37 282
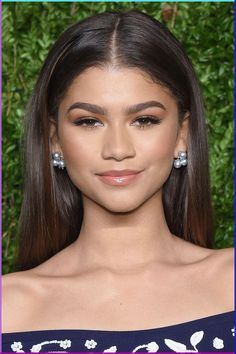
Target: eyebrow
pixel 93 108
pixel 140 106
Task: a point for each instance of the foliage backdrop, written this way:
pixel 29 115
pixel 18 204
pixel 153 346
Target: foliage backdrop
pixel 206 32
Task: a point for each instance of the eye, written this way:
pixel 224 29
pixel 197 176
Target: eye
pixel 146 121
pixel 88 123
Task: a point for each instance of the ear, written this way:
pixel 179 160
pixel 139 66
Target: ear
pixel 54 140
pixel 182 138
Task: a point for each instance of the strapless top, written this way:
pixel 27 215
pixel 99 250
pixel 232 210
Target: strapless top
pixel 209 334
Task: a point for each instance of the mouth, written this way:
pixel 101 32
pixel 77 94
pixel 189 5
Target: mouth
pixel 119 178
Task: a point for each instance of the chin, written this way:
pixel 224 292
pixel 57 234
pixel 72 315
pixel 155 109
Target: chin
pixel 121 206
pixel 121 210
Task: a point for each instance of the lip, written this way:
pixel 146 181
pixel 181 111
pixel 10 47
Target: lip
pixel 119 178
pixel 118 173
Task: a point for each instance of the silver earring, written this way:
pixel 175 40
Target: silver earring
pixel 181 159
pixel 57 160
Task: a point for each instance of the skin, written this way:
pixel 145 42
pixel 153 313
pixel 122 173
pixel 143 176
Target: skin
pixel 126 270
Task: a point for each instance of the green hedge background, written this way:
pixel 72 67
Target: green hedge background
pixel 206 32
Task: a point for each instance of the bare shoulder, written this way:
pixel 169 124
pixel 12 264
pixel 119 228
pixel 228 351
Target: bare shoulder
pixel 14 284
pixel 223 259
pixel 18 281
pixel 18 295
pixel 25 293
pixel 218 261
pixel 220 273
pixel 212 269
pixel 213 272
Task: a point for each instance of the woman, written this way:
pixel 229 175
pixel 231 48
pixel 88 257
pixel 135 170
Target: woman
pixel 116 220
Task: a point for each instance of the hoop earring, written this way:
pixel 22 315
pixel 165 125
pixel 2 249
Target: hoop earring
pixel 57 160
pixel 181 159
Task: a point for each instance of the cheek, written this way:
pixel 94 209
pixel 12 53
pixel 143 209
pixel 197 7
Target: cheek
pixel 159 154
pixel 79 156
pixel 160 146
pixel 82 149
pixel 77 150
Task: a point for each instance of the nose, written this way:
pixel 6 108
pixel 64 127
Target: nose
pixel 117 144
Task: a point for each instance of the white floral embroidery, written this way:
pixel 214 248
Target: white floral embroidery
pixel 111 350
pixel 196 338
pixel 90 344
pixel 218 343
pixel 16 347
pixel 36 348
pixel 151 347
pixel 175 346
pixel 62 343
pixel 179 347
pixel 65 344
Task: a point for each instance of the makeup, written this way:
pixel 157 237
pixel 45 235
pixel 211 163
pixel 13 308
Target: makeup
pixel 119 178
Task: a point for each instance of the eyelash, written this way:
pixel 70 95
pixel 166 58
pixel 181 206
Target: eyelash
pixel 149 122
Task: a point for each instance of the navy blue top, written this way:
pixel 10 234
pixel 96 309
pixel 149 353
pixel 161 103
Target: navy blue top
pixel 209 334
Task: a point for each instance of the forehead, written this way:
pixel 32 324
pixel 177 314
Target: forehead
pixel 113 87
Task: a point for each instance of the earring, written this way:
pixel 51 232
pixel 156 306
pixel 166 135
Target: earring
pixel 181 159
pixel 57 160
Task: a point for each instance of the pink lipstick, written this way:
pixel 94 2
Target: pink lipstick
pixel 118 178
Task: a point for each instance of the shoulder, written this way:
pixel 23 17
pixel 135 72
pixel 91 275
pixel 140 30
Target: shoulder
pixel 190 253
pixel 219 269
pixel 13 284
pixel 19 292
pixel 213 272
pixel 223 260
pixel 15 287
pixel 17 281
pixel 24 285
pixel 218 262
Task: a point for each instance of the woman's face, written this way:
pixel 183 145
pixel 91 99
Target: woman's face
pixel 112 120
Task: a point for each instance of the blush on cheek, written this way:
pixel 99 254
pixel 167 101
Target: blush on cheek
pixel 73 151
pixel 163 149
pixel 160 160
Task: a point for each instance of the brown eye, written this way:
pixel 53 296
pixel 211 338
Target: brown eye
pixel 146 121
pixel 88 123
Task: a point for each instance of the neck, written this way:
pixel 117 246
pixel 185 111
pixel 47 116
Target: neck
pixel 124 240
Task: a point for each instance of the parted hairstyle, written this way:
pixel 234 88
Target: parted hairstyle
pixel 52 210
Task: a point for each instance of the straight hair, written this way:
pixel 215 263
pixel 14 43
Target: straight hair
pixel 52 210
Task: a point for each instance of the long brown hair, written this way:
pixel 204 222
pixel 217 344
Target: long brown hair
pixel 52 210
